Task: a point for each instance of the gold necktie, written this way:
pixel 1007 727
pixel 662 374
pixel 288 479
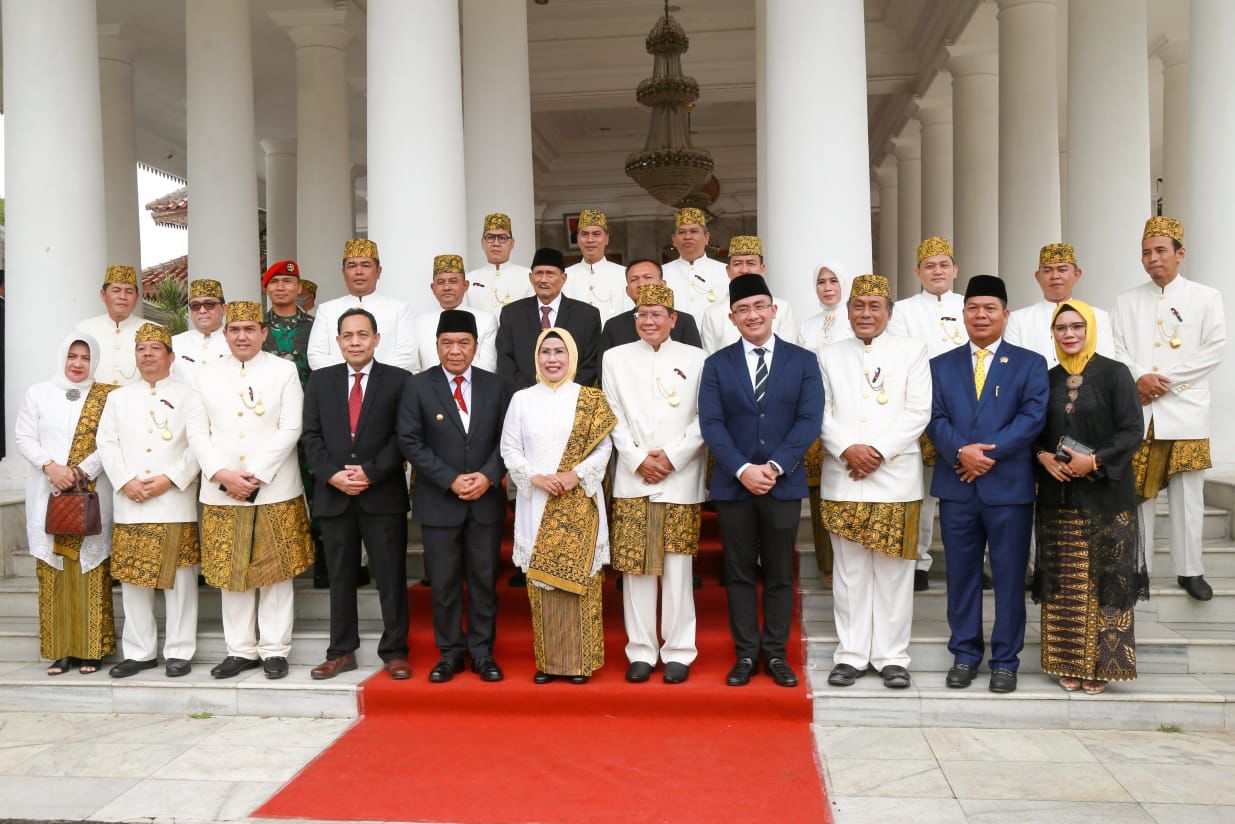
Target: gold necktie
pixel 979 371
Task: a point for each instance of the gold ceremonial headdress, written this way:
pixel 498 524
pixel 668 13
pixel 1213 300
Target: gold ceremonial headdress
pixel 935 245
pixel 360 247
pixel 447 263
pixel 655 294
pixel 152 331
pixel 239 311
pixel 308 286
pixel 1053 253
pixel 1162 226
pixel 120 273
pixel 871 286
pixel 593 217
pixel 741 245
pixel 690 215
pixel 497 220
pixel 205 288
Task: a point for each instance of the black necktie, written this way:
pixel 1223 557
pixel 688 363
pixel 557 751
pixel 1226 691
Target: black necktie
pixel 761 374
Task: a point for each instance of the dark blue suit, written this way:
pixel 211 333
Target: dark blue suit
pixel 760 529
pixel 996 508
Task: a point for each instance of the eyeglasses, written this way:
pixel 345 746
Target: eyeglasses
pixel 1073 383
pixel 1074 328
pixel 489 237
pixel 743 311
pixel 651 315
pixel 204 305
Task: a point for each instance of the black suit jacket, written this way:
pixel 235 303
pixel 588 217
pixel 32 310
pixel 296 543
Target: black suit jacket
pixel 620 329
pixel 519 326
pixel 328 444
pixel 432 438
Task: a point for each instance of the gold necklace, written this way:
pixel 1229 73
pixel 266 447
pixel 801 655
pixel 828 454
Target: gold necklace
pixel 955 334
pixel 252 402
pixel 876 383
pixel 1172 337
pixel 165 430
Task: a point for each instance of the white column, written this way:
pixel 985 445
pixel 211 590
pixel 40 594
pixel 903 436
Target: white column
pixel 816 142
pixel 889 241
pixel 1108 142
pixel 119 121
pixel 936 119
pixel 281 200
pixel 1211 181
pixel 975 158
pixel 55 228
pixel 323 156
pixel 1028 140
pixel 1175 119
pixel 415 155
pixel 497 123
pixel 761 116
pixel 222 157
pixel 908 151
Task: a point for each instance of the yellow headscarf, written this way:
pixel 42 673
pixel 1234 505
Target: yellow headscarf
pixel 572 352
pixel 1075 364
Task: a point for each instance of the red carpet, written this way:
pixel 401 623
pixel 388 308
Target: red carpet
pixel 606 751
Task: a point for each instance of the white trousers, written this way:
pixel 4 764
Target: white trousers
pixel 140 637
pixel 926 521
pixel 1185 494
pixel 258 623
pixel 872 599
pixel 677 613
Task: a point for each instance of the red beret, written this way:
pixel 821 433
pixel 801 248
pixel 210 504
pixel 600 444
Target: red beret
pixel 283 267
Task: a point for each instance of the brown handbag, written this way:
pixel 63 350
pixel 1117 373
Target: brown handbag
pixel 75 512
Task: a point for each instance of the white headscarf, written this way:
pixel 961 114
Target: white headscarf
pixel 837 270
pixel 62 355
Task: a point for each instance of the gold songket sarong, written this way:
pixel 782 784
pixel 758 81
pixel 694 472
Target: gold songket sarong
pixel 644 531
pixel 820 536
pixel 569 636
pixel 75 611
pixel 929 453
pixel 83 447
pixel 813 462
pixel 246 547
pixel 148 555
pixel 887 528
pixel 565 546
pixel 1157 460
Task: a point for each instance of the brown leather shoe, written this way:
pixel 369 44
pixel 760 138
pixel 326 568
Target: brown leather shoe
pixel 399 669
pixel 334 666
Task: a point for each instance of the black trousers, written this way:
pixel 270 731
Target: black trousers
pixel 759 531
pixel 385 537
pixel 453 555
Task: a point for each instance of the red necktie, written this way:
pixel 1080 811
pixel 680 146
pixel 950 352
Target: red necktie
pixel 544 317
pixel 354 400
pixel 459 394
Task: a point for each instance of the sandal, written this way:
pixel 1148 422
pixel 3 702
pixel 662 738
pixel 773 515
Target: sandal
pixel 1070 684
pixel 1094 687
pixel 61 666
pixel 88 666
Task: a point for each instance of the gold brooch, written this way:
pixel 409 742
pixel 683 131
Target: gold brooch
pixel 1004 359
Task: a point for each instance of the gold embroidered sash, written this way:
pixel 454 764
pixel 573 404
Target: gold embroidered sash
pixel 83 447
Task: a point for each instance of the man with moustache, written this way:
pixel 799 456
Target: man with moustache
pixel 621 329
pixel 745 258
pixel 116 329
pixel 596 280
pixel 698 282
pixel 449 286
pixel 1057 275
pixel 203 341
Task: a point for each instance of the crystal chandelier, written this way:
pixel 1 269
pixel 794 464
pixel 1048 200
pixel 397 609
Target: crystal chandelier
pixel 668 168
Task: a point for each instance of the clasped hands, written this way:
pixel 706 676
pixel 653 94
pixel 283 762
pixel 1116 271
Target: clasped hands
pixel 557 484
pixel 972 462
pixel 759 478
pixel 1152 386
pixel 238 484
pixel 143 489
pixel 350 480
pixel 61 477
pixel 470 486
pixel 655 467
pixel 1079 467
pixel 861 460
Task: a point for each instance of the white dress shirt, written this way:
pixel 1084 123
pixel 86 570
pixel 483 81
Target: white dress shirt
pixel 465 415
pixel 752 366
pixel 394 323
pixel 937 321
pixel 990 359
pixel 553 305
pixel 697 285
pixel 192 349
pixel 601 284
pixel 492 286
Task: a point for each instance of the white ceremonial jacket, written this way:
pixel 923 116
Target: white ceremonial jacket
pixel 143 434
pixel 828 326
pixel 852 414
pixel 192 349
pixel 226 431
pixel 717 331
pixel 601 284
pixel 426 339
pixel 394 323
pixel 490 287
pixel 697 286
pixel 639 384
pixel 938 322
pixel 117 347
pixel 1146 320
pixel 1030 328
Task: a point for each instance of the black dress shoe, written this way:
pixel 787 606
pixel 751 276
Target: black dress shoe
pixel 781 673
pixel 129 667
pixel 487 669
pixel 446 668
pixel 231 666
pixel 960 676
pixel 275 667
pixel 895 677
pixel 362 576
pixel 579 679
pixel 921 580
pixel 177 667
pixel 676 673
pixel 518 579
pixel 1196 586
pixel 844 675
pixel 638 672
pixel 1003 680
pixel 739 676
pixel 542 677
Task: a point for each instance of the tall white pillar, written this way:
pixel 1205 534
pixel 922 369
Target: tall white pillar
pixel 1175 121
pixel 936 119
pixel 761 115
pixel 119 120
pixel 56 236
pixel 281 200
pixel 323 155
pixel 1211 181
pixel 908 150
pixel 816 142
pixel 497 123
pixel 222 157
pixel 415 142
pixel 889 241
pixel 1108 142
pixel 1029 207
pixel 975 158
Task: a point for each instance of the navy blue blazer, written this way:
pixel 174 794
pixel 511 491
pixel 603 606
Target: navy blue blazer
pixel 1010 414
pixel 781 429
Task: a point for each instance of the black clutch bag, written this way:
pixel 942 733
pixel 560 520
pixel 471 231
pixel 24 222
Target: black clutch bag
pixel 1073 444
